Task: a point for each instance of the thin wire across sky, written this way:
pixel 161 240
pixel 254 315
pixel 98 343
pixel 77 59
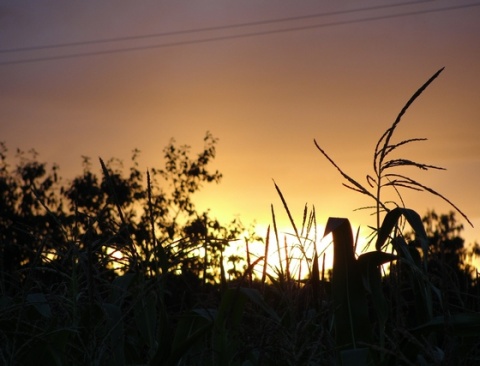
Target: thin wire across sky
pixel 213 28
pixel 222 37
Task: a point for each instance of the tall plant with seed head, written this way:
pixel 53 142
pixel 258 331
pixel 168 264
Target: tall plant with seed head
pixel 356 280
pixel 383 166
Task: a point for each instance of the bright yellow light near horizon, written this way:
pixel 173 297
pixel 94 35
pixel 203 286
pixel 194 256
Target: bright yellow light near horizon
pixel 289 253
pixel 117 260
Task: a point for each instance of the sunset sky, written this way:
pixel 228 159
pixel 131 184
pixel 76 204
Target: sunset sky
pixel 266 78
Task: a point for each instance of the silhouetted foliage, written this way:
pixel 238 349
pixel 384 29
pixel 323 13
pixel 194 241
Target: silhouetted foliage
pixel 426 310
pixel 444 276
pixel 121 268
pixel 449 261
pixel 27 228
pixel 76 255
pixel 106 219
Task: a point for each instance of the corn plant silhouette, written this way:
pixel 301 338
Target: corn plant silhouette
pixel 383 177
pixel 357 282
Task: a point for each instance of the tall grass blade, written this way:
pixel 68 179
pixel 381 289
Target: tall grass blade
pixel 249 263
pixel 285 205
pixel 265 262
pixel 281 271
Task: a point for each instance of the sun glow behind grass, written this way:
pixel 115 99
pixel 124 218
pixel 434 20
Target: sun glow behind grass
pixel 117 260
pixel 286 255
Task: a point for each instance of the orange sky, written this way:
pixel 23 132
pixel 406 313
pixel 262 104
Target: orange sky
pixel 265 96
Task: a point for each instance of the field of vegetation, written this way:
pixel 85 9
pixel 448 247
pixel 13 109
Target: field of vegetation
pixel 120 268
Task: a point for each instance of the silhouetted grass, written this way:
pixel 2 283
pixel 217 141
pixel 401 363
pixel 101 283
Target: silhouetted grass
pixel 68 305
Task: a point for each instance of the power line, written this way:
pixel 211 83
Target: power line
pixel 237 36
pixel 206 29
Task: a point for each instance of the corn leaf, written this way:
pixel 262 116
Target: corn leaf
pixel 352 324
pixel 391 221
pixel 370 269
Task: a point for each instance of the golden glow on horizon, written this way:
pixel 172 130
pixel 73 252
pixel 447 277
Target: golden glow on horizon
pixel 288 252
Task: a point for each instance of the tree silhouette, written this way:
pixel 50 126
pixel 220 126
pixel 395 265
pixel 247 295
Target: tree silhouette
pixel 449 262
pixel 30 208
pixel 98 222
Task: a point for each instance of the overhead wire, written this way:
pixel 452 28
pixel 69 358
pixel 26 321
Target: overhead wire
pixel 212 28
pixel 231 36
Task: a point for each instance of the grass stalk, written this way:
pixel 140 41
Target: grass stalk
pixel 265 262
pixel 279 252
